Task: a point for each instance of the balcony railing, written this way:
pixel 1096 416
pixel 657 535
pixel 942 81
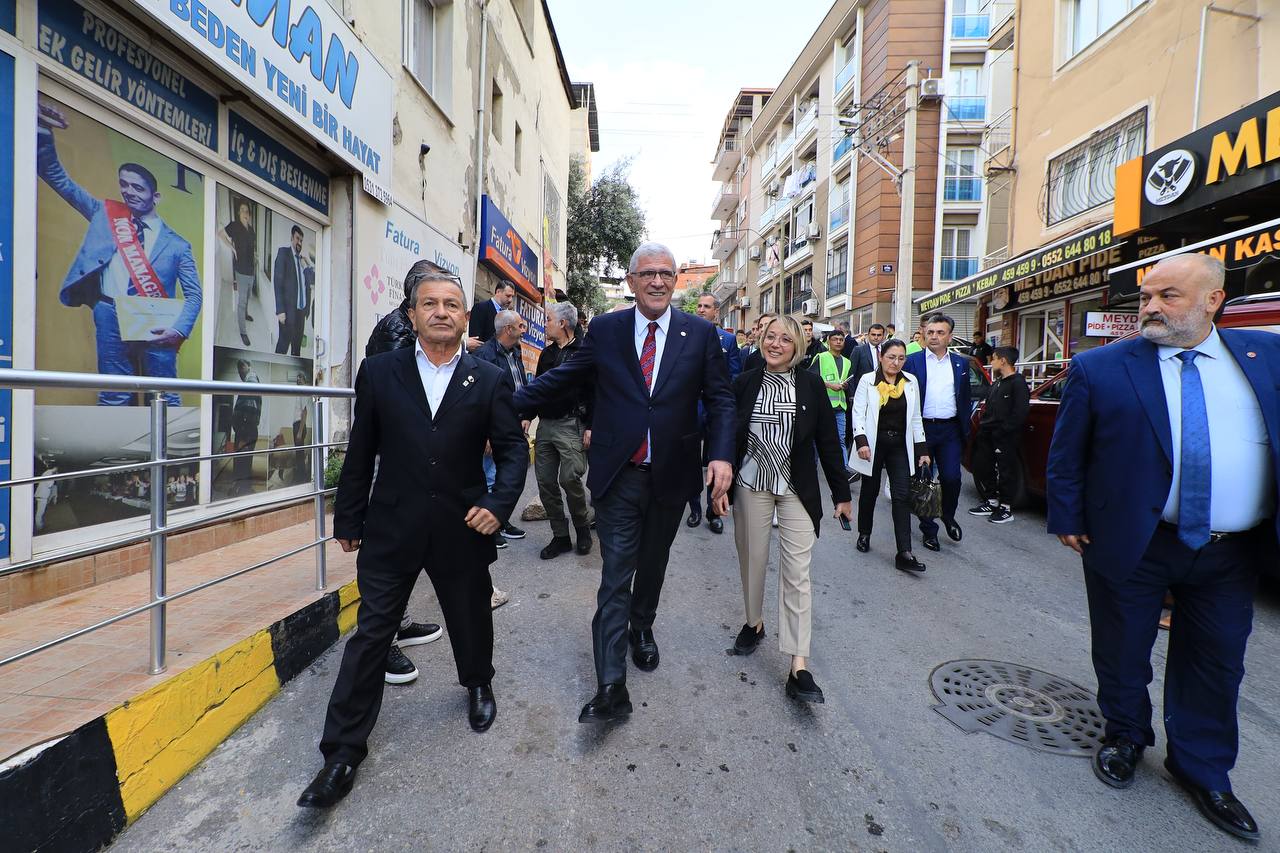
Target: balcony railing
pixel 770 163
pixel 997 11
pixel 970 26
pixel 839 217
pixel 788 143
pixel 955 269
pixel 843 147
pixel 998 134
pixel 807 121
pixel 837 284
pixel 967 107
pixel 962 188
pixel 999 256
pixel 845 77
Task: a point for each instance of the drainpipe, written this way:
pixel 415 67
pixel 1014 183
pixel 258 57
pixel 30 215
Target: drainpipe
pixel 1204 28
pixel 480 110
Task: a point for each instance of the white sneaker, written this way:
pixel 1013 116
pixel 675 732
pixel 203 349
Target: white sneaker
pixel 498 598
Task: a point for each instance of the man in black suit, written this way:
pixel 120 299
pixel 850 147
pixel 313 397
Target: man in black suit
pixel 292 277
pixel 480 329
pixel 650 367
pixel 754 360
pixel 428 411
pixel 866 357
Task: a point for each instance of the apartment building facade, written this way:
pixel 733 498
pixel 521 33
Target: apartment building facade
pixel 1102 84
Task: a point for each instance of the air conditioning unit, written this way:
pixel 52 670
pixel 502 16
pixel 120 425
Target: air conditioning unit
pixel 774 188
pixel 932 88
pixel 815 231
pixel 809 306
pixel 755 253
pixel 745 302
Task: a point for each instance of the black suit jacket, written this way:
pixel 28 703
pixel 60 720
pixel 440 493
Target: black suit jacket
pixel 693 369
pixel 482 317
pixel 430 474
pixel 864 362
pixel 284 280
pixel 754 361
pixel 815 425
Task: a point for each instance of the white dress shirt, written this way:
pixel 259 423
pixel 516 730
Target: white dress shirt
pixel 1242 488
pixel 940 387
pixel 115 278
pixel 435 380
pixel 660 343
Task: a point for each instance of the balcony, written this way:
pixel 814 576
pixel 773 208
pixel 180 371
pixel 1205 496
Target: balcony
pixel 808 122
pixel 843 147
pixel 962 188
pixel 767 216
pixel 724 242
pixel 966 108
pixel 837 285
pixel 788 144
pixel 997 136
pixel 845 77
pixel 770 163
pixel 726 202
pixel 970 26
pixel 1000 12
pixel 999 256
pixel 839 217
pixel 955 269
pixel 727 159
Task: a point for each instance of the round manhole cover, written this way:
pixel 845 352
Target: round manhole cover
pixel 1018 704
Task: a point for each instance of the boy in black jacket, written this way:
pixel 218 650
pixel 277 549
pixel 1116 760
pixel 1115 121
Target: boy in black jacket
pixel 995 448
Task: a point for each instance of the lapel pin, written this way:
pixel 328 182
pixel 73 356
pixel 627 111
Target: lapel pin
pixel 1252 354
pixel 684 334
pixel 468 381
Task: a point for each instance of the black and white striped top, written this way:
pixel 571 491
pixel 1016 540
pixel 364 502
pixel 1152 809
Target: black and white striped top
pixel 767 464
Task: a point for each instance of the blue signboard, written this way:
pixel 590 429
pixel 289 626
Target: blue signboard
pixel 107 58
pixel 250 148
pixel 505 251
pixel 6 285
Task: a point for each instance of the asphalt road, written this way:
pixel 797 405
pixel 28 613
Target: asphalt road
pixel 716 757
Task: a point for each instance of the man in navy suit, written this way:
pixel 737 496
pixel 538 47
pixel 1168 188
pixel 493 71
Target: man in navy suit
pixel 292 278
pixel 1162 476
pixel 650 366
pixel 945 404
pixel 480 329
pixel 709 310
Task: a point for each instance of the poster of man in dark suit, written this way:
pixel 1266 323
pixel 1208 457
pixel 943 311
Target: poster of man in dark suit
pixel 293 277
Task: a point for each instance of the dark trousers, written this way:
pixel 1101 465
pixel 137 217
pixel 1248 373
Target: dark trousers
pixel 1214 588
pixel 463 591
pixel 946 448
pixel 244 428
pixel 891 456
pixel 291 329
pixel 636 532
pixel 693 502
pixel 996 467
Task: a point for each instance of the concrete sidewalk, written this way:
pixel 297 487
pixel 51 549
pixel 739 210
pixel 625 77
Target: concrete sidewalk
pixel 716 757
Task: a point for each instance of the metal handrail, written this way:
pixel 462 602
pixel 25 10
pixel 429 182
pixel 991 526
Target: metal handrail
pixel 159 529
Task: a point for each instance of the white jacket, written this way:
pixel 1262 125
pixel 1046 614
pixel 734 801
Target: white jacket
pixel 865 413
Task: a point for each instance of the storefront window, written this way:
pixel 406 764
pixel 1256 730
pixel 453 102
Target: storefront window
pixel 1080 342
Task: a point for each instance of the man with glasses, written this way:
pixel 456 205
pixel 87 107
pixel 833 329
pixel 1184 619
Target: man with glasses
pixel 650 366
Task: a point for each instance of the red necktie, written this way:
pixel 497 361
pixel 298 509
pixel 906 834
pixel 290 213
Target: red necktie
pixel 647 356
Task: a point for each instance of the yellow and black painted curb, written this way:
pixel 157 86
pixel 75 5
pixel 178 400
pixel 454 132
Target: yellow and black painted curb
pixel 84 789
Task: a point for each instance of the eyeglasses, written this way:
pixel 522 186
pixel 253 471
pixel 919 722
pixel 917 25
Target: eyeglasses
pixel 642 276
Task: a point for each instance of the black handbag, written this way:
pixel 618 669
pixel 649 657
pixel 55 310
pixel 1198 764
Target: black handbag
pixel 925 494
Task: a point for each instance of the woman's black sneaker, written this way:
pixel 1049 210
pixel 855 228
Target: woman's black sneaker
pixel 801 687
pixel 983 508
pixel 748 639
pixel 1001 515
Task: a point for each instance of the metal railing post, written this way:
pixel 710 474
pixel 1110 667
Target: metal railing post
pixel 159 446
pixel 317 471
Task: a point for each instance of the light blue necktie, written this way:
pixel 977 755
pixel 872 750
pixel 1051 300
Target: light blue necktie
pixel 1195 489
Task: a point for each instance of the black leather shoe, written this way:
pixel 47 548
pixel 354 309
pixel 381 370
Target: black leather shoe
pixel 931 542
pixel 584 541
pixel 331 784
pixel 610 704
pixel 908 563
pixel 1116 761
pixel 694 519
pixel 864 542
pixel 481 708
pixel 716 525
pixel 557 546
pixel 644 649
pixel 802 688
pixel 953 530
pixel 1221 807
pixel 747 640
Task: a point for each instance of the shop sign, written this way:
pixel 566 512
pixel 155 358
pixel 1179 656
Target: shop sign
pixel 251 149
pixel 87 44
pixel 503 249
pixel 1057 254
pixel 301 59
pixel 1109 324
pixel 534 340
pixel 1231 156
pixel 1239 249
pixel 1072 277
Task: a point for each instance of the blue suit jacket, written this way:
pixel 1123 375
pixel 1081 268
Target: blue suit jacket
pixel 693 369
pixel 916 366
pixel 170 256
pixel 1111 462
pixel 729 344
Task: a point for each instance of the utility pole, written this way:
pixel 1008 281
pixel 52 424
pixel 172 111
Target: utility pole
pixel 907 214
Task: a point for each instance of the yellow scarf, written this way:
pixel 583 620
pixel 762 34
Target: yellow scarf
pixel 890 392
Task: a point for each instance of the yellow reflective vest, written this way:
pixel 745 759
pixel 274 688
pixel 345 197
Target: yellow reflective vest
pixel 833 371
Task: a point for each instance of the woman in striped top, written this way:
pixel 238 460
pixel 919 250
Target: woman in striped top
pixel 782 414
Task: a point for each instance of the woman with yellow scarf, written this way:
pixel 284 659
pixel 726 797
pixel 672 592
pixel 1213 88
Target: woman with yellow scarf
pixel 888 431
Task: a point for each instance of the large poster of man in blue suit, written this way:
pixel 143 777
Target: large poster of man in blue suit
pixel 120 244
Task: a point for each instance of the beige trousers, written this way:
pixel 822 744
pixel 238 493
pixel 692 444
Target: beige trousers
pixel 752 523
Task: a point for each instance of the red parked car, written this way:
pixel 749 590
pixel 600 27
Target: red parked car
pixel 1246 312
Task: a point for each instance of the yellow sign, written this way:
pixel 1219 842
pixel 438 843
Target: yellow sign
pixel 1249 150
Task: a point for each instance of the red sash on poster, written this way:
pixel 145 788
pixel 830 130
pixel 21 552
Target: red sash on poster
pixel 144 278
